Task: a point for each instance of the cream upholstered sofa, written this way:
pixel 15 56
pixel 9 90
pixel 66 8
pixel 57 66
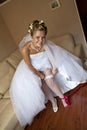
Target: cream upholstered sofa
pixel 8 120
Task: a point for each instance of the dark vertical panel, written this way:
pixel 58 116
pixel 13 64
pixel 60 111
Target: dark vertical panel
pixel 82 8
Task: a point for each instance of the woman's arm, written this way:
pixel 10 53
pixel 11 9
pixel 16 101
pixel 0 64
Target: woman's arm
pixel 25 53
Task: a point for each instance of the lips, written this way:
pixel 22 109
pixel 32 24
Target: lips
pixel 39 47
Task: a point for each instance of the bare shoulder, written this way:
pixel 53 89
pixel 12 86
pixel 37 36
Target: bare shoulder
pixel 25 48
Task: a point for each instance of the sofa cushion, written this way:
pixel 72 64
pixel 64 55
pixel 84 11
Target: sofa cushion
pixel 8 118
pixel 14 58
pixel 6 80
pixel 65 41
pixel 19 127
pixel 1 96
pixel 3 104
pixel 6 95
pixel 4 68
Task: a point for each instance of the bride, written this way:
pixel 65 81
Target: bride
pixel 46 71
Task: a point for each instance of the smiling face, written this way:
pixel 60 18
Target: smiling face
pixel 38 38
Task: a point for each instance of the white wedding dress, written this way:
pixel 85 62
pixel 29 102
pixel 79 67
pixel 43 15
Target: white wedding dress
pixel 26 92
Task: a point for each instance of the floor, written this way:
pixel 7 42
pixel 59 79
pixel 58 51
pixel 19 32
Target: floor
pixel 73 117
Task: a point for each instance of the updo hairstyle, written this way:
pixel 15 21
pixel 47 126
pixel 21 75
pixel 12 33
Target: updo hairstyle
pixel 37 25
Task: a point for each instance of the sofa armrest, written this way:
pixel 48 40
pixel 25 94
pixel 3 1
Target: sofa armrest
pixel 85 49
pixel 77 50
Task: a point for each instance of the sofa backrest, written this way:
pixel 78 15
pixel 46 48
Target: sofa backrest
pixel 65 41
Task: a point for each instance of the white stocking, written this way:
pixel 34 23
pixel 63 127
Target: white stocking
pixel 47 92
pixel 49 95
pixel 51 83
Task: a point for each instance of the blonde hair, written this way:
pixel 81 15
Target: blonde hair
pixel 37 25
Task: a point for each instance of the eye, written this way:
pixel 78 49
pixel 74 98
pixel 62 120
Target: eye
pixel 37 37
pixel 43 37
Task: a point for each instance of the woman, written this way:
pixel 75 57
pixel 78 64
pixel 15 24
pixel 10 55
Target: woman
pixel 45 68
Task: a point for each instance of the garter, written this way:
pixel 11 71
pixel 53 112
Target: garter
pixel 49 76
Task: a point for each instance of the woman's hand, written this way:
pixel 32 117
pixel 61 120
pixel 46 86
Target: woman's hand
pixel 41 75
pixel 54 71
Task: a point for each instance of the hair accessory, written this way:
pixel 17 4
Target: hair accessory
pixel 41 22
pixel 30 27
pixel 29 31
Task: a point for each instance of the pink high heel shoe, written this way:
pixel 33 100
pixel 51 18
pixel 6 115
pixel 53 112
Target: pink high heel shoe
pixel 65 101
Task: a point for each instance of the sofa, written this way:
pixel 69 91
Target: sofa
pixel 8 119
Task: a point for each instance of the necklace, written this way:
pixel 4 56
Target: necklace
pixel 35 48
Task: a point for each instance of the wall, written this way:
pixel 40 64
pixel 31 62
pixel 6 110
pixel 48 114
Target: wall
pixel 18 13
pixel 7 44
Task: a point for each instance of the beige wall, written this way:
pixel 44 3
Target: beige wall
pixel 7 44
pixel 18 13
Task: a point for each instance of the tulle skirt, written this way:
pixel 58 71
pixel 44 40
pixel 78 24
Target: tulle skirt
pixel 26 94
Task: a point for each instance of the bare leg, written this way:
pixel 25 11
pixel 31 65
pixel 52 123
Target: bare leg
pixel 49 95
pixel 52 85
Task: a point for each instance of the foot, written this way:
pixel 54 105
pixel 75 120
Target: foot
pixel 55 107
pixel 65 101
